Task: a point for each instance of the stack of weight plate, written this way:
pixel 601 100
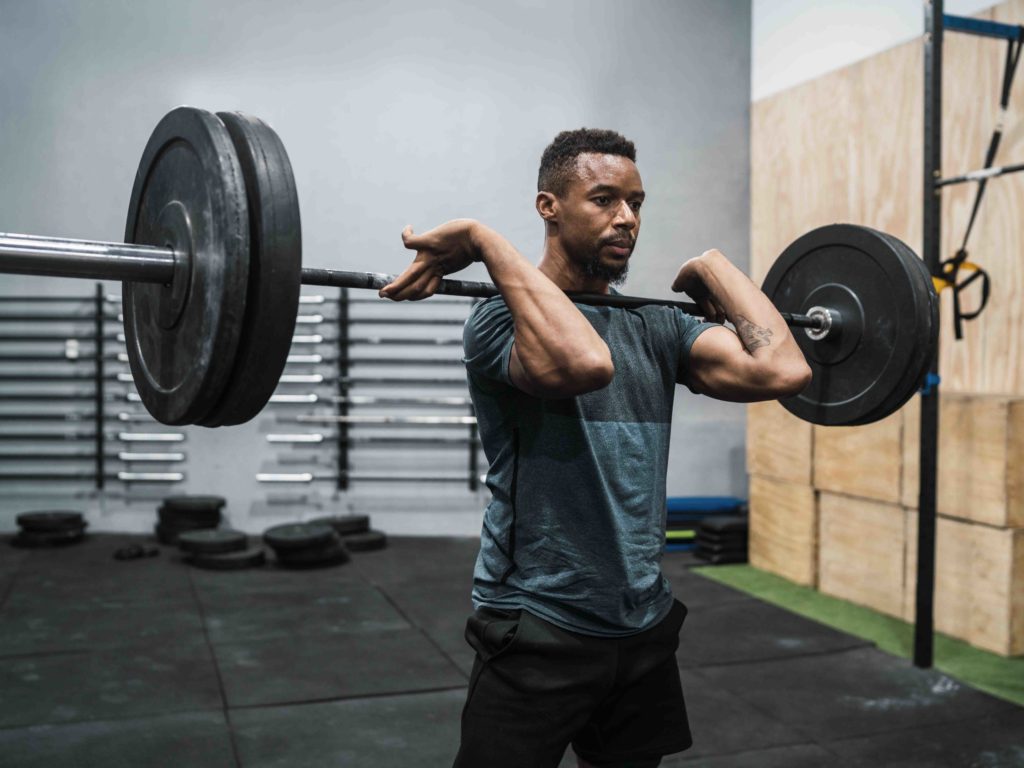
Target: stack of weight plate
pixel 723 539
pixel 179 514
pixel 306 545
pixel 355 532
pixel 49 529
pixel 220 550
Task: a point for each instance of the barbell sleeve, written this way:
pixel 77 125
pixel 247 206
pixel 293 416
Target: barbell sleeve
pixel 60 257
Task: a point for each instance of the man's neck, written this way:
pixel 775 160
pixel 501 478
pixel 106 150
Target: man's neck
pixel 560 270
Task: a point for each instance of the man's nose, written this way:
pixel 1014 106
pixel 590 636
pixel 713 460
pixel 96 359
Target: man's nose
pixel 625 216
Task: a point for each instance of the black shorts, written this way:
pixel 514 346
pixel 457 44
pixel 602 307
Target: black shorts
pixel 535 688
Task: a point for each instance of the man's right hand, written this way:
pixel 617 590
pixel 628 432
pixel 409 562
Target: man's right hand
pixel 441 251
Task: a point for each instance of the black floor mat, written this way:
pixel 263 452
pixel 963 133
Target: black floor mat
pixel 330 610
pixel 112 663
pixel 316 667
pixel 840 695
pixel 415 729
pixel 756 631
pixel 106 685
pixel 192 739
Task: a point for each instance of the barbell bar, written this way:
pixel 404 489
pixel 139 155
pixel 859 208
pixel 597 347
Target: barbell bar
pixel 316 438
pixel 211 270
pixel 306 478
pixel 316 418
pixel 60 257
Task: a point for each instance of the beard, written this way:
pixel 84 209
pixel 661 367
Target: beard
pixel 615 274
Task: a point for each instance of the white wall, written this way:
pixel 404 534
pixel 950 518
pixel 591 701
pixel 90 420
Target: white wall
pixel 794 41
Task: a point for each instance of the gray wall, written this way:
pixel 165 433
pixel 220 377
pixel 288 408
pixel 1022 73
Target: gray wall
pixel 393 113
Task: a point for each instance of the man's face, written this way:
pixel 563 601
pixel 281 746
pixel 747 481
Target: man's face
pixel 599 215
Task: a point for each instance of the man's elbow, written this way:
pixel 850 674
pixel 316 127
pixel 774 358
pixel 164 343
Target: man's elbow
pixel 790 380
pixel 586 374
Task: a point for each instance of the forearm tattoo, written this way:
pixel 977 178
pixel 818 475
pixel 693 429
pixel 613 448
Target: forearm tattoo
pixel 752 336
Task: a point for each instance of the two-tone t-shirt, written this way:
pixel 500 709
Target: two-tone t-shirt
pixel 575 528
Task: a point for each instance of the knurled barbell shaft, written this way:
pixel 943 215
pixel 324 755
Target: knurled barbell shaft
pixel 59 257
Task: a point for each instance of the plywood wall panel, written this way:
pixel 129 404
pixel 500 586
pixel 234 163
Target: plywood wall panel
pixel 804 155
pixel 981 450
pixel 978 582
pixel 891 123
pixel 784 529
pixel 860 461
pixel 778 444
pixel 862 552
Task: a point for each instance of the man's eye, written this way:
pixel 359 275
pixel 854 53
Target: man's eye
pixel 602 200
pixel 635 205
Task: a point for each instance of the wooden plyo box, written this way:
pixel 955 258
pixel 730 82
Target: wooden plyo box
pixel 861 461
pixel 783 529
pixel 981 458
pixel 979 583
pixel 778 443
pixel 862 552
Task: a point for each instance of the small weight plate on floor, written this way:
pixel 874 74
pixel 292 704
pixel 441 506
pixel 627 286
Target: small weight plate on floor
pixel 190 518
pixel 253 557
pixel 38 540
pixel 332 553
pixel 867 370
pixel 722 539
pixel 366 542
pixel 196 502
pixel 344 525
pixel 296 536
pixel 718 549
pixel 182 337
pixel 42 522
pixel 168 534
pixel 725 524
pixel 275 271
pixel 212 541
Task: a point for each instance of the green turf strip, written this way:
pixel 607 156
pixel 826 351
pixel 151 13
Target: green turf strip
pixel 985 671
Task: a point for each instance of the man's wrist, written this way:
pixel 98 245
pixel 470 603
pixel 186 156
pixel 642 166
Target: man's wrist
pixel 480 237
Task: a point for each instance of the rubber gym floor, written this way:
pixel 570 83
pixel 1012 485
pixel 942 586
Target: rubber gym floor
pixel 154 663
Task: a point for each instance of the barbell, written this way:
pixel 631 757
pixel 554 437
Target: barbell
pixel 212 268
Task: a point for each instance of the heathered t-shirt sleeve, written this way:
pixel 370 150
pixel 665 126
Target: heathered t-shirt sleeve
pixel 688 328
pixel 487 340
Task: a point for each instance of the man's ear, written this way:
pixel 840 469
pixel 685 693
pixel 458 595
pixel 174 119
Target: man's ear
pixel 547 207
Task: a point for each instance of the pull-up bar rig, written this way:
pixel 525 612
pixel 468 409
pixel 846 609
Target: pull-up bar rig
pixel 936 24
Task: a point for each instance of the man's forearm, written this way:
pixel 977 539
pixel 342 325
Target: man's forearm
pixel 758 323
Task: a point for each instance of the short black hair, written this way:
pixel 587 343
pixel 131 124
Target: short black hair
pixel 558 163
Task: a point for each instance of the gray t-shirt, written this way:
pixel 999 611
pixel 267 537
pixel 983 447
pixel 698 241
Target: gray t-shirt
pixel 576 524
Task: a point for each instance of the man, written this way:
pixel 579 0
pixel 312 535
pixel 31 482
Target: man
pixel 574 627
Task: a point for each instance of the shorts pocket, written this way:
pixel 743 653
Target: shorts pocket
pixel 491 632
